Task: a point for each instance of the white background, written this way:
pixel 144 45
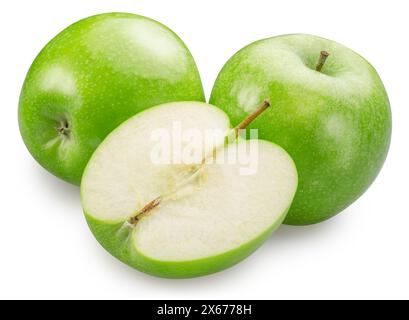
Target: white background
pixel 46 249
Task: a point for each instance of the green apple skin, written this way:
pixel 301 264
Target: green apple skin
pixel 94 75
pixel 118 241
pixel 335 124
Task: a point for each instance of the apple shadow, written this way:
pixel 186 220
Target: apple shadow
pixel 288 235
pixel 55 187
pixel 285 237
pixel 169 287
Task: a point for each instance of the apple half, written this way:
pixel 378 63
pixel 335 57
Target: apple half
pixel 180 220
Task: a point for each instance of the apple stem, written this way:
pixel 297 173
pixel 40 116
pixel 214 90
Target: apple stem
pixel 323 57
pixel 242 125
pixel 250 118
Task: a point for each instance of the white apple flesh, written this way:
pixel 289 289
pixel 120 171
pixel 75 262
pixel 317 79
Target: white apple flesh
pixel 184 220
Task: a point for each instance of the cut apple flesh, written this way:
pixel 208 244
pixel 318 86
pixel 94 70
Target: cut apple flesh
pixel 180 212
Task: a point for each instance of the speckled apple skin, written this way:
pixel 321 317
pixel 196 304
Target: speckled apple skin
pixel 94 75
pixel 335 124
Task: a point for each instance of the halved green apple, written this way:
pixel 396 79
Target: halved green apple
pixel 185 219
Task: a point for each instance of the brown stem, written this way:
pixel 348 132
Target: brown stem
pixel 323 57
pixel 250 118
pixel 242 125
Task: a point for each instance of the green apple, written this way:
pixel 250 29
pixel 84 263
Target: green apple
pixel 332 115
pixel 94 75
pixel 184 219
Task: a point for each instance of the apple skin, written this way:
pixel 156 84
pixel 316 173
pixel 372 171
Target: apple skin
pixel 113 237
pixel 335 124
pixel 94 75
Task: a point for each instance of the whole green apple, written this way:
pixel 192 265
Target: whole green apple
pixel 94 75
pixel 331 113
